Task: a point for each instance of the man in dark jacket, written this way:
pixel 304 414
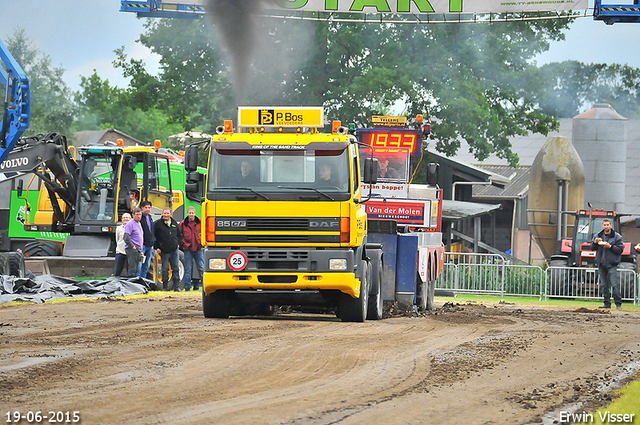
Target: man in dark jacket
pixel 147 228
pixel 168 237
pixel 609 246
pixel 192 247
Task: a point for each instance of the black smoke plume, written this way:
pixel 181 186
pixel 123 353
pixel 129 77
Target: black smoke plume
pixel 238 27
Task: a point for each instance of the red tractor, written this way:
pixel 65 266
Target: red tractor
pixel 573 268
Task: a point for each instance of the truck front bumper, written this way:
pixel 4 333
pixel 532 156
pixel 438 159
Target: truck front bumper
pixel 284 269
pixel 343 282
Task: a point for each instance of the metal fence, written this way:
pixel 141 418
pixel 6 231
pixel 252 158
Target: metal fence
pixel 492 274
pixel 577 282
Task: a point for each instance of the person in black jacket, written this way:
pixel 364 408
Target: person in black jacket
pixel 149 239
pixel 168 237
pixel 609 246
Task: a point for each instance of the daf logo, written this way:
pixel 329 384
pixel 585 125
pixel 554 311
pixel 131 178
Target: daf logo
pixel 14 163
pixel 324 224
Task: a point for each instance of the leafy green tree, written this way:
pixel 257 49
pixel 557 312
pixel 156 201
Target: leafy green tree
pixel 476 82
pixel 466 79
pixel 568 87
pixel 52 108
pixel 102 106
pixel 193 85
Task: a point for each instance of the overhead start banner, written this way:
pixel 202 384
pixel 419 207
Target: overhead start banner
pixel 429 6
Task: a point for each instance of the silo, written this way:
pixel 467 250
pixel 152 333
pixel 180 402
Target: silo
pixel 556 184
pixel 600 137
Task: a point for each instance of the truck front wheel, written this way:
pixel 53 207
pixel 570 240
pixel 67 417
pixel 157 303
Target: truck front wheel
pixel 216 305
pixel 355 309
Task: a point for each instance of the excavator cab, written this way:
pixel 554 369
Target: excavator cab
pixel 98 186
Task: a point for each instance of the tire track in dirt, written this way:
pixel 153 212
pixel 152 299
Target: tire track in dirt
pixel 158 361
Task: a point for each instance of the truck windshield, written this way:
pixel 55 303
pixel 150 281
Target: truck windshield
pixel 279 174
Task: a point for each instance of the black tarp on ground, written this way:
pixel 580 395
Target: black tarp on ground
pixel 39 289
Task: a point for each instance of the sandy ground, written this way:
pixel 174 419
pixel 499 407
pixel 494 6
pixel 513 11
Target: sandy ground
pixel 157 360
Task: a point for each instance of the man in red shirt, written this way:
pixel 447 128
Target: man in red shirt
pixel 192 247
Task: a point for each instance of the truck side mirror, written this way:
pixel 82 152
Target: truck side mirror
pixel 20 188
pixel 191 187
pixel 433 171
pixel 371 171
pixel 637 222
pixel 191 158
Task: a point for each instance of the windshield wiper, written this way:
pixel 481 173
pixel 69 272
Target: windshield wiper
pixel 244 188
pixel 307 188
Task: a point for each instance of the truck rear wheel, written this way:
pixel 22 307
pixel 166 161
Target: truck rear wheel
pixel 4 263
pixel 16 264
pixel 376 302
pixel 216 305
pixel 355 309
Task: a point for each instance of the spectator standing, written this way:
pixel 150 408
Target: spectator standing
pixel 168 237
pixel 121 253
pixel 609 246
pixel 133 238
pixel 191 245
pixel 149 239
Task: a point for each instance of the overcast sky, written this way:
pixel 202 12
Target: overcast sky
pixel 81 35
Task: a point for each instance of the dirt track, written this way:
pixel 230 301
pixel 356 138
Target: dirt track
pixel 158 360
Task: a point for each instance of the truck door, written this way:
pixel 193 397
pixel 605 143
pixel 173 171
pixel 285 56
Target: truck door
pixel 157 181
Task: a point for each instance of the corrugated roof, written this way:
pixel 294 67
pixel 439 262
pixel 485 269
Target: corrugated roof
pixel 527 148
pixel 94 137
pixel 457 210
pixel 518 187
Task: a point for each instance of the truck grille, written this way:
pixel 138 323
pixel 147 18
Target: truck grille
pixel 243 238
pixel 253 230
pixel 277 255
pixel 277 224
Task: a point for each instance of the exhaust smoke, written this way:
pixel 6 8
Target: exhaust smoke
pixel 238 27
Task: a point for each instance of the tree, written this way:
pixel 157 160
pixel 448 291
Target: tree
pixel 569 87
pixel 471 81
pixel 102 106
pixel 193 85
pixel 52 108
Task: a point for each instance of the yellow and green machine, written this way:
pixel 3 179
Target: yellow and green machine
pixel 73 200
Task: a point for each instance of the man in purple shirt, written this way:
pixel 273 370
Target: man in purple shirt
pixel 133 238
pixel 148 238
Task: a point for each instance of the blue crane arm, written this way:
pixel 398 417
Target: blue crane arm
pixel 613 13
pixel 16 101
pixel 163 9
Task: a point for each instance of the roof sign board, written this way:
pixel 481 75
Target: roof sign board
pixel 280 116
pixel 383 121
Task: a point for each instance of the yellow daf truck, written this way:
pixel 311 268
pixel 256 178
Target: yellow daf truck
pixel 282 219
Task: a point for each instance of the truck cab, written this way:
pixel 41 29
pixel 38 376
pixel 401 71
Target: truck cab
pixel 283 220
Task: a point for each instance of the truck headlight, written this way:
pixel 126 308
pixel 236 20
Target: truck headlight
pixel 217 264
pixel 337 264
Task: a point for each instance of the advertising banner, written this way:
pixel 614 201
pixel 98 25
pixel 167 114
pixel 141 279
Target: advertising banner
pixel 412 213
pixel 427 6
